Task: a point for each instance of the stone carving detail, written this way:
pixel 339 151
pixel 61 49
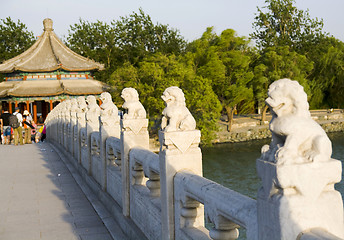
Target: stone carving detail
pixel 67 106
pixel 176 116
pixel 93 112
pixel 132 104
pixel 109 111
pixel 82 104
pixel 73 109
pixel 296 137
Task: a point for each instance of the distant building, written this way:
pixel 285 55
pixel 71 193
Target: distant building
pixel 46 74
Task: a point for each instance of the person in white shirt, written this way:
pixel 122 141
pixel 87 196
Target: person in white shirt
pixel 18 132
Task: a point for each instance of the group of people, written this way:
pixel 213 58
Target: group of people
pixel 20 128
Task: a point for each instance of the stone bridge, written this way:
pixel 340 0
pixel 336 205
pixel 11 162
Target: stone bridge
pixel 141 194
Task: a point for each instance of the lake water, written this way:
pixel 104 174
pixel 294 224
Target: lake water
pixel 234 164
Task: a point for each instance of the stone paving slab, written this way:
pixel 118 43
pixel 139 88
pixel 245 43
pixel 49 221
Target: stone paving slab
pixel 41 200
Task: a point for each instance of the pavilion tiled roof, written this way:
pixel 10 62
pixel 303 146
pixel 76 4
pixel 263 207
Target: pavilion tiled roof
pixel 43 88
pixel 48 54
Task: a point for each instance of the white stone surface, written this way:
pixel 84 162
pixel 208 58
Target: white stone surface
pixel 176 116
pixel 297 172
pixel 298 175
pixel 134 134
pixel 135 109
pixel 296 137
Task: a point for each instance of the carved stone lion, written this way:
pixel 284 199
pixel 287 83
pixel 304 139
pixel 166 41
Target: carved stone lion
pixel 296 137
pixel 82 104
pixel 67 106
pixel 109 111
pixel 132 104
pixel 176 116
pixel 73 109
pixel 93 111
pixel 82 108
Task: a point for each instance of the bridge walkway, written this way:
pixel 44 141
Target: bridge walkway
pixel 40 199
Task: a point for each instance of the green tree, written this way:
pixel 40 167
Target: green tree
pixel 130 39
pixel 328 73
pixel 275 63
pixel 156 73
pixel 225 60
pixel 137 36
pixel 287 33
pixel 14 39
pixel 284 25
pixel 96 41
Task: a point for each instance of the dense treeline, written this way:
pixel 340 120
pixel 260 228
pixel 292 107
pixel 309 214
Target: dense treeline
pixel 222 73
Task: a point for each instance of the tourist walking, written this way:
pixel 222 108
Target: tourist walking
pixel 18 131
pixel 5 126
pixel 27 122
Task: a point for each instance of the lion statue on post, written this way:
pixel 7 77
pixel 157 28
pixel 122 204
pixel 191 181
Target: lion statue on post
pixel 296 137
pixel 132 104
pixel 176 116
pixel 109 111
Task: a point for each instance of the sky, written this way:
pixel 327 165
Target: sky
pixel 190 17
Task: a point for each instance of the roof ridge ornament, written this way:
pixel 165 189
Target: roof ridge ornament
pixel 48 24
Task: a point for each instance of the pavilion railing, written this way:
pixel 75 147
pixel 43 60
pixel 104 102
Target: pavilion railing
pixel 165 195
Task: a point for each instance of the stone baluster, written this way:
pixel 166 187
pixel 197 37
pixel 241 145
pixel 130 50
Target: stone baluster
pixel 179 150
pixel 134 134
pixel 113 157
pixel 66 123
pixel 153 184
pixel 61 122
pixel 109 126
pixel 81 124
pixel 297 171
pixel 73 122
pixel 188 212
pixel 224 229
pixel 137 174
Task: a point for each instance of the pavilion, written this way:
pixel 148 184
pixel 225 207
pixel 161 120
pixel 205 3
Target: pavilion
pixel 46 74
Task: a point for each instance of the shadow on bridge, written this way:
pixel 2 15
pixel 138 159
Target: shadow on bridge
pixel 40 199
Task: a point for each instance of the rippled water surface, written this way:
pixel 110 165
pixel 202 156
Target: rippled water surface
pixel 234 164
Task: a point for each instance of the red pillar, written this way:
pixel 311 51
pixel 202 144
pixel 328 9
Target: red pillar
pixel 10 107
pixel 34 112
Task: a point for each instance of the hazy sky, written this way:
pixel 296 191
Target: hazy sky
pixel 190 17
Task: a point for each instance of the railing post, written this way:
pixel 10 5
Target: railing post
pixel 73 122
pixel 61 123
pixel 109 127
pixel 92 125
pixel 297 172
pixel 134 134
pixel 179 150
pixel 81 124
pixel 66 124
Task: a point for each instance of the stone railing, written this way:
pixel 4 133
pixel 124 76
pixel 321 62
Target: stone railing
pixel 164 196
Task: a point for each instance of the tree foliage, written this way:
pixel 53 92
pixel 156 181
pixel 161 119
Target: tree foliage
pixel 285 25
pixel 309 54
pixel 14 38
pixel 96 41
pixel 130 39
pixel 225 60
pixel 137 36
pixel 156 73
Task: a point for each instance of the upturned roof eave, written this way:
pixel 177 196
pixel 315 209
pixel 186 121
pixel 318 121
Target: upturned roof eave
pixel 51 69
